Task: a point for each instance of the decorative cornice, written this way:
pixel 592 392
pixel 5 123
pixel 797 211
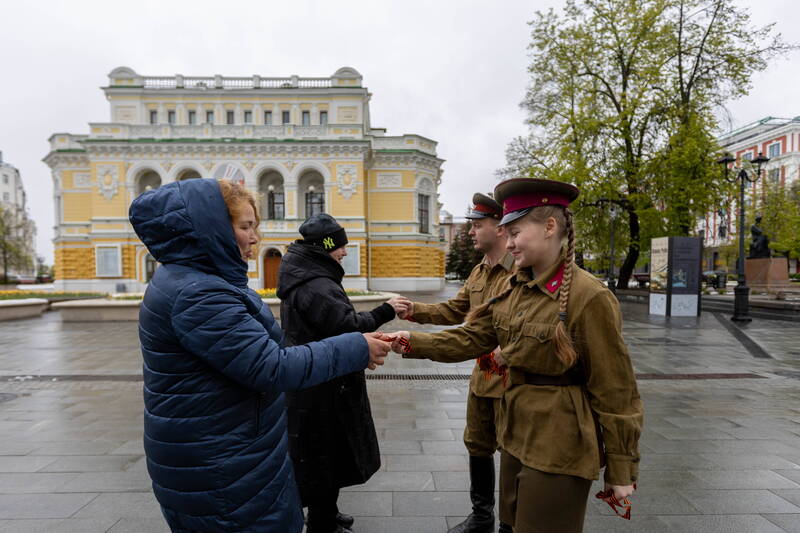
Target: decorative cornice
pixel 405 158
pixel 72 159
pixel 335 149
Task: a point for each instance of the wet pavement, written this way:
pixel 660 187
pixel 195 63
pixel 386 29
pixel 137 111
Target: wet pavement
pixel 720 450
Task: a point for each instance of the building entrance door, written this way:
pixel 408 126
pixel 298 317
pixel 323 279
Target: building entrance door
pixel 272 262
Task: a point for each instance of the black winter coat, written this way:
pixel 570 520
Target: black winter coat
pixel 332 439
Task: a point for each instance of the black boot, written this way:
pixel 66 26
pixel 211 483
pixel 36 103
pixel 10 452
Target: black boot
pixel 345 520
pixel 505 528
pixel 481 492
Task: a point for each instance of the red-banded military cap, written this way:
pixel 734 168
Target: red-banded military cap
pixel 484 206
pixel 519 195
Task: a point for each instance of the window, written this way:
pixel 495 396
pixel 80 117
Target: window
pixel 5 179
pixel 153 117
pixel 424 213
pixel 774 175
pixel 171 116
pixel 276 206
pixel 285 117
pixel 315 203
pixel 209 117
pixel 6 197
pixel 323 118
pixel 248 117
pixel 108 261
pixel 748 156
pixel 306 118
pixel 192 117
pixel 268 118
pixel 229 117
pixel 774 150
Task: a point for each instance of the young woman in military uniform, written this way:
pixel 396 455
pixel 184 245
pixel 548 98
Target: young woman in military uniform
pixel 486 280
pixel 572 404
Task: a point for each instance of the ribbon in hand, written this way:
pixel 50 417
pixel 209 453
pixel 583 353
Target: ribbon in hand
pixel 621 509
pixel 489 365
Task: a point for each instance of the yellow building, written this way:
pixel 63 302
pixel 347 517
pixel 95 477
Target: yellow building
pixel 304 144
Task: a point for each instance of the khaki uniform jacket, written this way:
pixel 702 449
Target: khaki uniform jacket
pixel 483 282
pixel 573 429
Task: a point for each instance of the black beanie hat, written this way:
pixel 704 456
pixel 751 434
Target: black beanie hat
pixel 323 230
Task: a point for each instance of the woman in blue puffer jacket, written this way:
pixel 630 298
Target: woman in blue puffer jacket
pixel 214 369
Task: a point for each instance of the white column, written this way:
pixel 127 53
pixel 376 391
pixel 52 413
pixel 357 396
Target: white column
pixel 162 114
pixel 258 115
pixel 219 114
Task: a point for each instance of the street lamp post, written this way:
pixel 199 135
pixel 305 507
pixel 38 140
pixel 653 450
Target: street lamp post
pixel 741 298
pixel 612 285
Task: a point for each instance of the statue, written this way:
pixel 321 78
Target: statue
pixel 759 247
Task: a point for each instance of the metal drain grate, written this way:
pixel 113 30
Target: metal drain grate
pixel 419 377
pixel 678 377
pixel 73 377
pixel 384 377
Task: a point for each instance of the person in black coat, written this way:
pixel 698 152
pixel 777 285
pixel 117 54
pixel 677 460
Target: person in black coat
pixel 332 439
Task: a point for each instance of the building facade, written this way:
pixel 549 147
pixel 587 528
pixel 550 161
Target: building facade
pixel 305 145
pixel 18 230
pixel 776 138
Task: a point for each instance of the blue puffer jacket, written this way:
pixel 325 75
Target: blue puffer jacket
pixel 214 372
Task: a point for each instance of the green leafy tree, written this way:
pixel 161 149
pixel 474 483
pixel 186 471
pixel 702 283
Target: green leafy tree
pixel 13 252
pixel 622 101
pixel 781 220
pixel 463 256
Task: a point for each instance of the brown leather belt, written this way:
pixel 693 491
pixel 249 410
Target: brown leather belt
pixel 570 378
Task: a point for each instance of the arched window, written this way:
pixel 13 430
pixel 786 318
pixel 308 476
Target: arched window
pixel 270 185
pixel 187 174
pixel 229 172
pixel 311 190
pixel 147 180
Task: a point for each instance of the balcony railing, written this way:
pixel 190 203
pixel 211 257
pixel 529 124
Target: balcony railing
pixel 232 83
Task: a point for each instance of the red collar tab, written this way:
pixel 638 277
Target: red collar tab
pixel 534 199
pixel 555 282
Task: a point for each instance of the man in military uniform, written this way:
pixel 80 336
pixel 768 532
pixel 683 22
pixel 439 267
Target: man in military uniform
pixel 571 406
pixel 485 389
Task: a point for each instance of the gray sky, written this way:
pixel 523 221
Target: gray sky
pixel 454 71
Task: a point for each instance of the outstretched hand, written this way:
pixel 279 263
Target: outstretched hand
pixel 400 341
pixel 401 305
pixel 378 349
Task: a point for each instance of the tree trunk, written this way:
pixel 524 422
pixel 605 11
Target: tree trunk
pixel 626 270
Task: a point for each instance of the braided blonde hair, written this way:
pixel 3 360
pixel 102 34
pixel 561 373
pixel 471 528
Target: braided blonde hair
pixel 564 347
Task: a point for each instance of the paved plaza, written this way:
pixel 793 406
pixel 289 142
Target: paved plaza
pixel 720 450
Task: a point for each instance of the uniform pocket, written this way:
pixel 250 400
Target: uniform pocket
pixel 536 340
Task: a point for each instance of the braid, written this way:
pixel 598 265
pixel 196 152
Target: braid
pixel 565 349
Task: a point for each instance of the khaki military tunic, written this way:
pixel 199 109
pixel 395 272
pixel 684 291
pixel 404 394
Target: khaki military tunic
pixel 485 391
pixel 483 282
pixel 553 428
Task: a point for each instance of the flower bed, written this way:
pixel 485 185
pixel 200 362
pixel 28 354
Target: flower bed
pixel 48 295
